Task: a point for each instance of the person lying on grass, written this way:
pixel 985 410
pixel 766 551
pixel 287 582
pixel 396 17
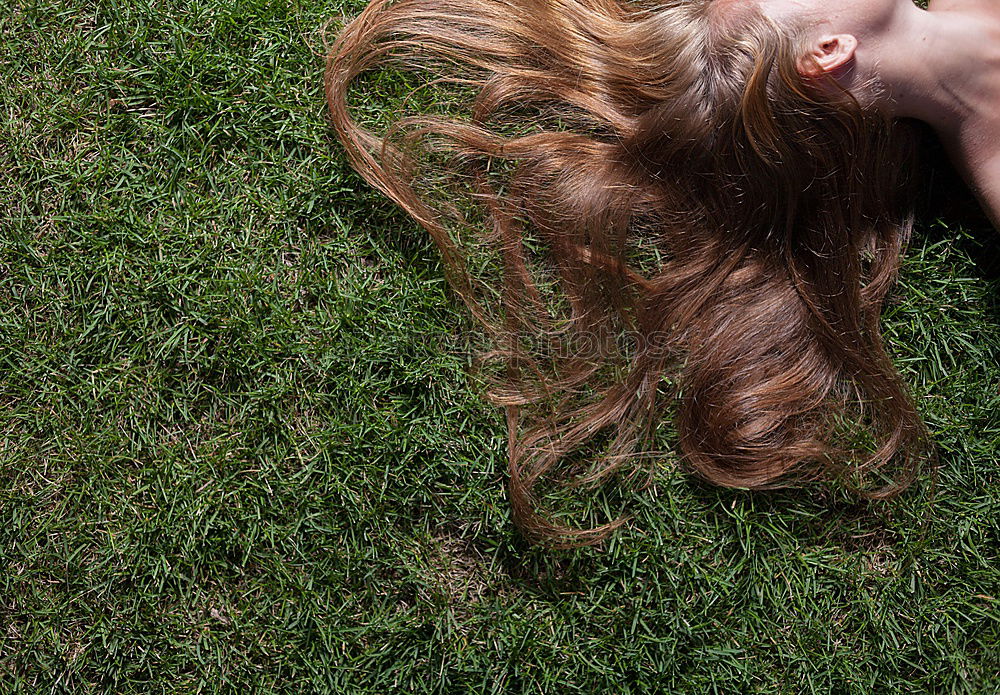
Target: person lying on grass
pixel 691 206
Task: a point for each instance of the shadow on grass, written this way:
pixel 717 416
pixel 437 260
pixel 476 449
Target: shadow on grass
pixel 946 197
pixel 819 520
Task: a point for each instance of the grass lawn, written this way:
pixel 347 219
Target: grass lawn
pixel 239 451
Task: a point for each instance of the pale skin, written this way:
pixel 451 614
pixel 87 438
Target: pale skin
pixel 940 65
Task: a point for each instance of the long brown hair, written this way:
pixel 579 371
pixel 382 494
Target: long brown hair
pixel 719 234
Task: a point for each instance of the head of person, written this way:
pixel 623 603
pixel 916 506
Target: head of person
pixel 845 40
pixel 776 94
pixel 715 177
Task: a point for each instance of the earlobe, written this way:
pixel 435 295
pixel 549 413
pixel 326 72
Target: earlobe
pixel 828 54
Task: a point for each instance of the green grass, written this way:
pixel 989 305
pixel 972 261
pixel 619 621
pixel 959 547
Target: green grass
pixel 239 450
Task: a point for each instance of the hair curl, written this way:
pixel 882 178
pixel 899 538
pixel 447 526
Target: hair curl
pixel 718 231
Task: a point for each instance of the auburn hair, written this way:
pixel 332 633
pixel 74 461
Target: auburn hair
pixel 647 208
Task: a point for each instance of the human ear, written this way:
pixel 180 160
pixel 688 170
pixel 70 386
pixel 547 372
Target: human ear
pixel 827 55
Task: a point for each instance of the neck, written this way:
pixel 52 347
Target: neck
pixel 919 61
